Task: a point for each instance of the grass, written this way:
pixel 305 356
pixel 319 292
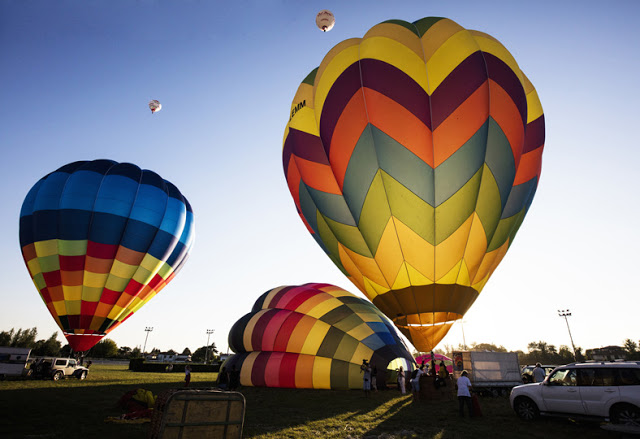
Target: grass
pixel 45 409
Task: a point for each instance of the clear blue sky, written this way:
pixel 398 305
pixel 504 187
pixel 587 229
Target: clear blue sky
pixel 76 78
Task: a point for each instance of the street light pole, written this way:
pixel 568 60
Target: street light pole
pixel 148 329
pixel 206 352
pixel 565 313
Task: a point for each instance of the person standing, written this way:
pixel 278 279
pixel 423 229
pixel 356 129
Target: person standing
pixel 401 383
pixel 415 383
pixel 464 394
pixel 538 373
pixel 366 377
pixel 187 375
pixel 374 378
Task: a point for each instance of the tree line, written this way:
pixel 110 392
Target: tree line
pixel 541 352
pixel 537 351
pixel 105 348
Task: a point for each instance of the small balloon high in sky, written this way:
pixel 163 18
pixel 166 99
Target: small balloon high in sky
pixel 413 155
pixel 100 239
pixel 325 20
pixel 155 106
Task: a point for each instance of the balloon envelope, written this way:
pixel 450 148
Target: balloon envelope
pixel 155 106
pixel 312 336
pixel 413 155
pixel 325 20
pixel 100 239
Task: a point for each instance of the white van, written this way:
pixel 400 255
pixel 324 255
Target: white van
pixel 13 362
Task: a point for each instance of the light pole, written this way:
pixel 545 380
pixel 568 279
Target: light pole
pixel 206 352
pixel 148 329
pixel 463 339
pixel 565 313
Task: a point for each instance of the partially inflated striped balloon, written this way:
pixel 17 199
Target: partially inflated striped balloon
pixel 413 155
pixel 100 239
pixel 313 336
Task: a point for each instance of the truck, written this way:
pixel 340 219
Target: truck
pixel 492 373
pixel 13 362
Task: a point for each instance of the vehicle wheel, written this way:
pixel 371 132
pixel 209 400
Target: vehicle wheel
pixel 58 375
pixel 82 375
pixel 526 409
pixel 626 414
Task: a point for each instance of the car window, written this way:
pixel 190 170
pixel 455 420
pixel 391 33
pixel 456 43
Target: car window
pixel 604 377
pixel 564 377
pixel 628 377
pixel 61 362
pixel 72 363
pixel 586 377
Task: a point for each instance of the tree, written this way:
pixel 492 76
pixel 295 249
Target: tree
pixel 22 338
pixel 47 348
pixel 65 351
pixel 124 352
pixel 105 348
pixel 487 347
pixel 631 347
pixel 200 353
pixel 5 338
pixel 136 353
pixel 186 351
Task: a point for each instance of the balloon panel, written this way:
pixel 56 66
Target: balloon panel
pixel 413 155
pixel 100 239
pixel 312 336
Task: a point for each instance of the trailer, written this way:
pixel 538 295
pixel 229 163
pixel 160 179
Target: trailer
pixel 13 362
pixel 493 373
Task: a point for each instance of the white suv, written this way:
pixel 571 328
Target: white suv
pixel 609 390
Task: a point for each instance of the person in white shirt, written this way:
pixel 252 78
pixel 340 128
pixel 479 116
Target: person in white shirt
pixel 464 395
pixel 538 373
pixel 415 383
pixel 366 377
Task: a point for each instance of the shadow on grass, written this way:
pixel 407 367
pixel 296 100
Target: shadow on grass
pixel 50 410
pixel 70 409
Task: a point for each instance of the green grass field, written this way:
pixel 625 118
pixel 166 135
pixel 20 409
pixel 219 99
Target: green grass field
pixel 78 409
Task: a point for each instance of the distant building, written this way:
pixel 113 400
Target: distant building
pixel 171 358
pixel 609 353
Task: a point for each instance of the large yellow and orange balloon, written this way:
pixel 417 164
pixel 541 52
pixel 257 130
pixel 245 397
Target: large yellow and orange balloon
pixel 413 155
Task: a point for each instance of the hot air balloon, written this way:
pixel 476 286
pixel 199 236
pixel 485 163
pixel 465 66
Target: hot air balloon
pixel 413 155
pixel 155 106
pixel 100 239
pixel 313 336
pixel 325 20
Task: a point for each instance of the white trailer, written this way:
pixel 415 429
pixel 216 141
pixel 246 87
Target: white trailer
pixel 13 362
pixel 490 372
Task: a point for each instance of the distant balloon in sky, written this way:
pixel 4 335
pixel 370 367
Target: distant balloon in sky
pixel 325 20
pixel 100 239
pixel 413 155
pixel 155 106
pixel 313 336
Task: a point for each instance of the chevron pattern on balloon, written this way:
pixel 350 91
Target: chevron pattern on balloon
pixel 413 155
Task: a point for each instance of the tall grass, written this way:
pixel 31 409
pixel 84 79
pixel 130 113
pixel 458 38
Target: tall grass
pixel 78 409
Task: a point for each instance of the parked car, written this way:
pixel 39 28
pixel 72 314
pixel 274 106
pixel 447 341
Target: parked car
pixel 58 368
pixel 604 390
pixel 527 371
